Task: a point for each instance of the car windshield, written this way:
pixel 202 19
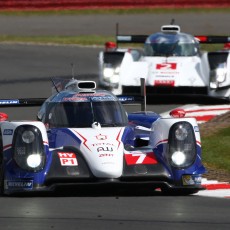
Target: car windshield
pixel 170 45
pixel 83 114
pixel 170 49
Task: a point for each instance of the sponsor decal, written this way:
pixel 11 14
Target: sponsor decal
pixel 138 157
pixel 106 155
pixel 67 159
pixel 164 82
pixel 6 102
pixel 105 98
pixel 103 144
pixel 91 94
pixel 165 76
pixel 166 66
pixel 105 149
pixel 8 132
pixel 126 98
pixel 101 137
pixel 191 179
pixel 20 184
pixel 79 99
pixel 196 129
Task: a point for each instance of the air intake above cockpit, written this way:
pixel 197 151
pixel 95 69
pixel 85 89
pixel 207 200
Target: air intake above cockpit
pixel 170 28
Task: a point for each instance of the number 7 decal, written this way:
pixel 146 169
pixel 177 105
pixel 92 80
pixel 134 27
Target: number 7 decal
pixel 137 157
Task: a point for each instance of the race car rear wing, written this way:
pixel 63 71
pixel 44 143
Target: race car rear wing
pixel 213 39
pixel 121 38
pixel 209 39
pixel 131 38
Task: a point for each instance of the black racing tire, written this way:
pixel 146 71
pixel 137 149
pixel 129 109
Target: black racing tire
pixel 180 191
pixel 1 182
pixel 1 168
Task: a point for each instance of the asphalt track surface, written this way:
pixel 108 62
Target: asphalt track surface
pixel 25 71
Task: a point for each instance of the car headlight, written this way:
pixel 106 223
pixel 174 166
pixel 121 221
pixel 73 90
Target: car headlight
pixel 111 74
pixel 108 72
pixel 218 75
pixel 182 145
pixel 28 136
pixel 221 74
pixel 181 133
pixel 178 158
pixel 28 148
pixel 34 160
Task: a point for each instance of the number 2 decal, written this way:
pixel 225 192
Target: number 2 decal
pixel 166 66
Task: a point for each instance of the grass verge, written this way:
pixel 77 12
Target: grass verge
pixel 115 11
pixel 62 40
pixel 84 40
pixel 216 149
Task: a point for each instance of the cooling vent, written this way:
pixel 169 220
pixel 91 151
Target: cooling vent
pixel 170 28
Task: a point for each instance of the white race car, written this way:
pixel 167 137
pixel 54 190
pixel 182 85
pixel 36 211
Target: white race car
pixel 171 63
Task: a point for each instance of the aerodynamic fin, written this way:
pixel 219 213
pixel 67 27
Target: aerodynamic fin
pixel 213 39
pixel 135 99
pixel 24 102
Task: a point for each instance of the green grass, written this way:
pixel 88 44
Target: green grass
pixel 84 40
pixel 81 40
pixel 96 39
pixel 114 11
pixel 216 149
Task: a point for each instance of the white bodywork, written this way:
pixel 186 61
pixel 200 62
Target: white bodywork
pixel 160 130
pixel 102 148
pixel 221 79
pixel 8 128
pixel 189 67
pixel 165 71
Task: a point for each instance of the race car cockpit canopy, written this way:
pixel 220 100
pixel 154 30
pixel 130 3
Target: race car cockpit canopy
pixel 171 42
pixel 81 109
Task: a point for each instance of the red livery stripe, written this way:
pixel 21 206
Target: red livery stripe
pixel 7 146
